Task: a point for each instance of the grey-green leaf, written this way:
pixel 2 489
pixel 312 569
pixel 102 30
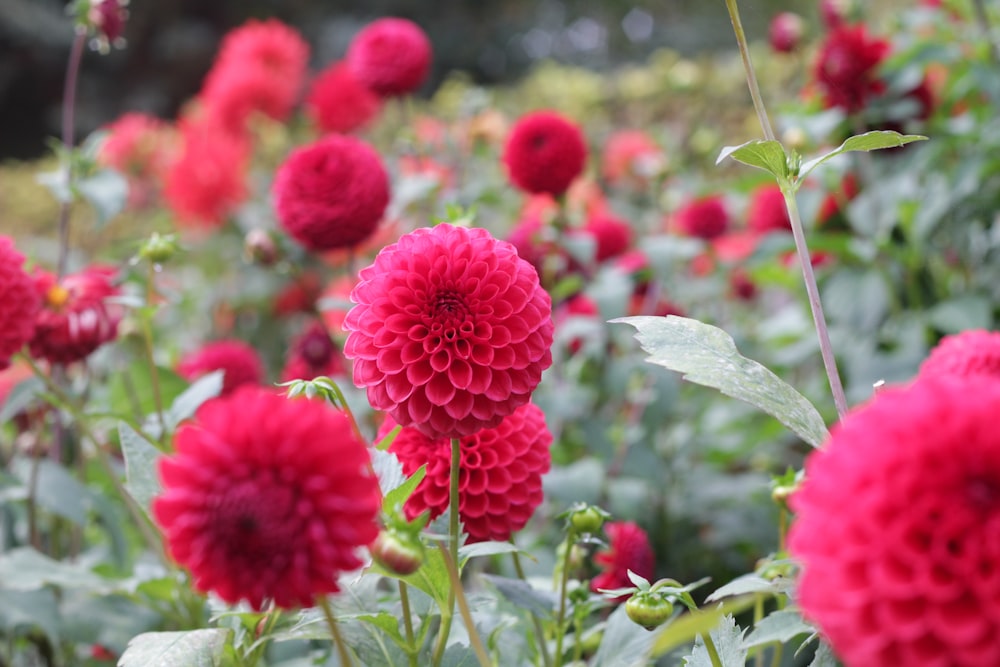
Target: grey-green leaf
pixel 141 480
pixel 25 569
pixel 708 356
pixel 780 626
pixel 197 648
pixel 625 644
pixel 523 594
pixel 869 141
pixel 748 583
pixel 767 155
pixel 728 640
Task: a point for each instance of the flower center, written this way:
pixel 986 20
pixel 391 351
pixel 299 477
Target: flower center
pixel 57 296
pixel 449 308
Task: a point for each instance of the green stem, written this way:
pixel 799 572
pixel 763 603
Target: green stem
pixel 261 645
pixel 404 599
pixel 68 127
pixel 776 658
pixel 338 640
pixel 539 629
pixel 453 538
pixel 463 608
pixel 741 41
pixel 713 653
pixel 758 615
pixel 154 374
pixel 563 585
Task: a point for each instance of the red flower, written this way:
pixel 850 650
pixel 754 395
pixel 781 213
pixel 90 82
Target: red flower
pixel 629 549
pixel 500 473
pixel 141 147
pixel 613 235
pixel 704 218
pixel 451 331
pixel 239 361
pixel 298 296
pixel 331 193
pixel 270 45
pixel 108 18
pixel 74 319
pixel 897 526
pixel 391 56
pixel 313 354
pixel 631 156
pixel 338 102
pixel 785 32
pixel 847 67
pixel 267 498
pixel 832 204
pixel 544 153
pixel 19 303
pixel 207 182
pixel 966 354
pixel 768 212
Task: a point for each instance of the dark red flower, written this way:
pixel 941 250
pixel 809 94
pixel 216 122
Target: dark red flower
pixel 500 473
pixel 768 212
pixel 451 331
pixel 965 354
pixel 108 18
pixel 331 193
pixel 847 67
pixel 631 157
pixel 896 528
pixel 239 361
pixel 544 153
pixel 836 13
pixel 628 549
pixel 19 302
pixel 704 217
pixel 74 319
pixel 391 56
pixel 299 296
pixel 613 235
pixel 786 31
pixel 338 102
pixel 313 354
pixel 267 498
pixel 835 202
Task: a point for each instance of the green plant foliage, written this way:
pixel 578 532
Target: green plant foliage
pixel 141 478
pixel 196 648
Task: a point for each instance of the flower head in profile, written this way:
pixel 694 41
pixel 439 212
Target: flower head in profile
pixel 107 18
pixel 238 361
pixel 847 67
pixel 451 331
pixel 628 549
pixel 500 473
pixel 338 102
pixel 313 354
pixel 75 318
pixel 267 498
pixel 965 354
pixel 544 153
pixel 331 193
pixel 391 56
pixel 703 217
pixel 19 303
pixel 896 528
pixel 768 212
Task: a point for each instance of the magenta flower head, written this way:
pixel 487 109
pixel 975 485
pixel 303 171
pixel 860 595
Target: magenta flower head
pixel 391 56
pixel 846 67
pixel 973 352
pixel 238 361
pixel 19 304
pixel 628 549
pixel 331 193
pixel 544 153
pixel 451 331
pixel 897 527
pixel 267 498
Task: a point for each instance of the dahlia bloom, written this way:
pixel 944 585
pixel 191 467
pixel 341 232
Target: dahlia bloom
pixel 628 549
pixel 544 153
pixel 313 354
pixel 331 193
pixel 785 32
pixel 239 362
pixel 20 302
pixel 631 156
pixel 141 147
pixel 768 212
pixel 612 235
pixel 267 498
pixel 108 17
pixel 391 56
pixel 705 217
pixel 966 354
pixel 451 331
pixel 338 102
pixel 833 204
pixel 896 527
pixel 847 67
pixel 500 473
pixel 74 319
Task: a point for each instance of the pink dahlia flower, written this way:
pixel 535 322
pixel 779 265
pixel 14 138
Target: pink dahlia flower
pixel 267 498
pixel 612 235
pixel 786 31
pixel 847 67
pixel 500 473
pixel 896 528
pixel 141 147
pixel 74 319
pixel 391 56
pixel 544 153
pixel 313 354
pixel 628 549
pixel 965 354
pixel 331 193
pixel 768 212
pixel 338 102
pixel 239 362
pixel 631 157
pixel 19 302
pixel 451 331
pixel 705 217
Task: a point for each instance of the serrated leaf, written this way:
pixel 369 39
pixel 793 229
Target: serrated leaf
pixel 488 548
pixel 767 155
pixel 20 397
pixel 624 644
pixel 824 657
pixel 398 494
pixel 141 479
pixel 869 141
pixel 683 629
pixel 197 648
pixel 524 595
pixel 707 355
pixel 728 640
pixel 780 626
pixel 25 569
pixel 748 583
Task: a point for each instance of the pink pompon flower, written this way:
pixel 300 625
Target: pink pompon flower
pixel 267 498
pixel 704 217
pixel 768 212
pixel 313 354
pixel 896 528
pixel 75 318
pixel 239 362
pixel 391 56
pixel 544 153
pixel 628 549
pixel 612 235
pixel 338 102
pixel 451 331
pixel 965 354
pixel 331 193
pixel 500 473
pixel 847 67
pixel 631 157
pixel 19 304
pixel 786 31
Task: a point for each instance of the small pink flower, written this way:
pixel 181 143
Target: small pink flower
pixel 74 319
pixel 544 153
pixel 338 102
pixel 391 56
pixel 19 303
pixel 786 31
pixel 704 217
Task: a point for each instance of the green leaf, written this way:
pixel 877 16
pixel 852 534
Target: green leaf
pixel 131 390
pixel 399 494
pixel 683 629
pixel 961 313
pixel 25 569
pixel 869 141
pixel 488 548
pixel 780 626
pixel 56 490
pixel 728 640
pixel 523 594
pixel 106 191
pixel 197 648
pixel 707 355
pixel 387 623
pixel 28 610
pixel 141 479
pixel 824 657
pixel 624 643
pixel 20 397
pixel 188 401
pixel 432 577
pixel 767 155
pixel 748 583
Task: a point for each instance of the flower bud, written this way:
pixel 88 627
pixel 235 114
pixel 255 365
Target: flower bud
pixel 648 609
pixel 786 31
pixel 397 552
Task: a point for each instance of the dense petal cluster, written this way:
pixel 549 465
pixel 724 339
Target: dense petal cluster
pixel 391 56
pixel 239 362
pixel 75 318
pixel 768 212
pixel 19 303
pixel 966 354
pixel 897 525
pixel 704 217
pixel 628 549
pixel 338 102
pixel 500 473
pixel 267 498
pixel 313 354
pixel 451 331
pixel 847 67
pixel 331 193
pixel 544 153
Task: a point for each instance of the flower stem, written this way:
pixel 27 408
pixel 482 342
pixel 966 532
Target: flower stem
pixel 338 640
pixel 713 653
pixel 539 629
pixel 404 599
pixel 463 608
pixel 453 537
pixel 563 585
pixel 154 373
pixel 68 127
pixel 741 41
